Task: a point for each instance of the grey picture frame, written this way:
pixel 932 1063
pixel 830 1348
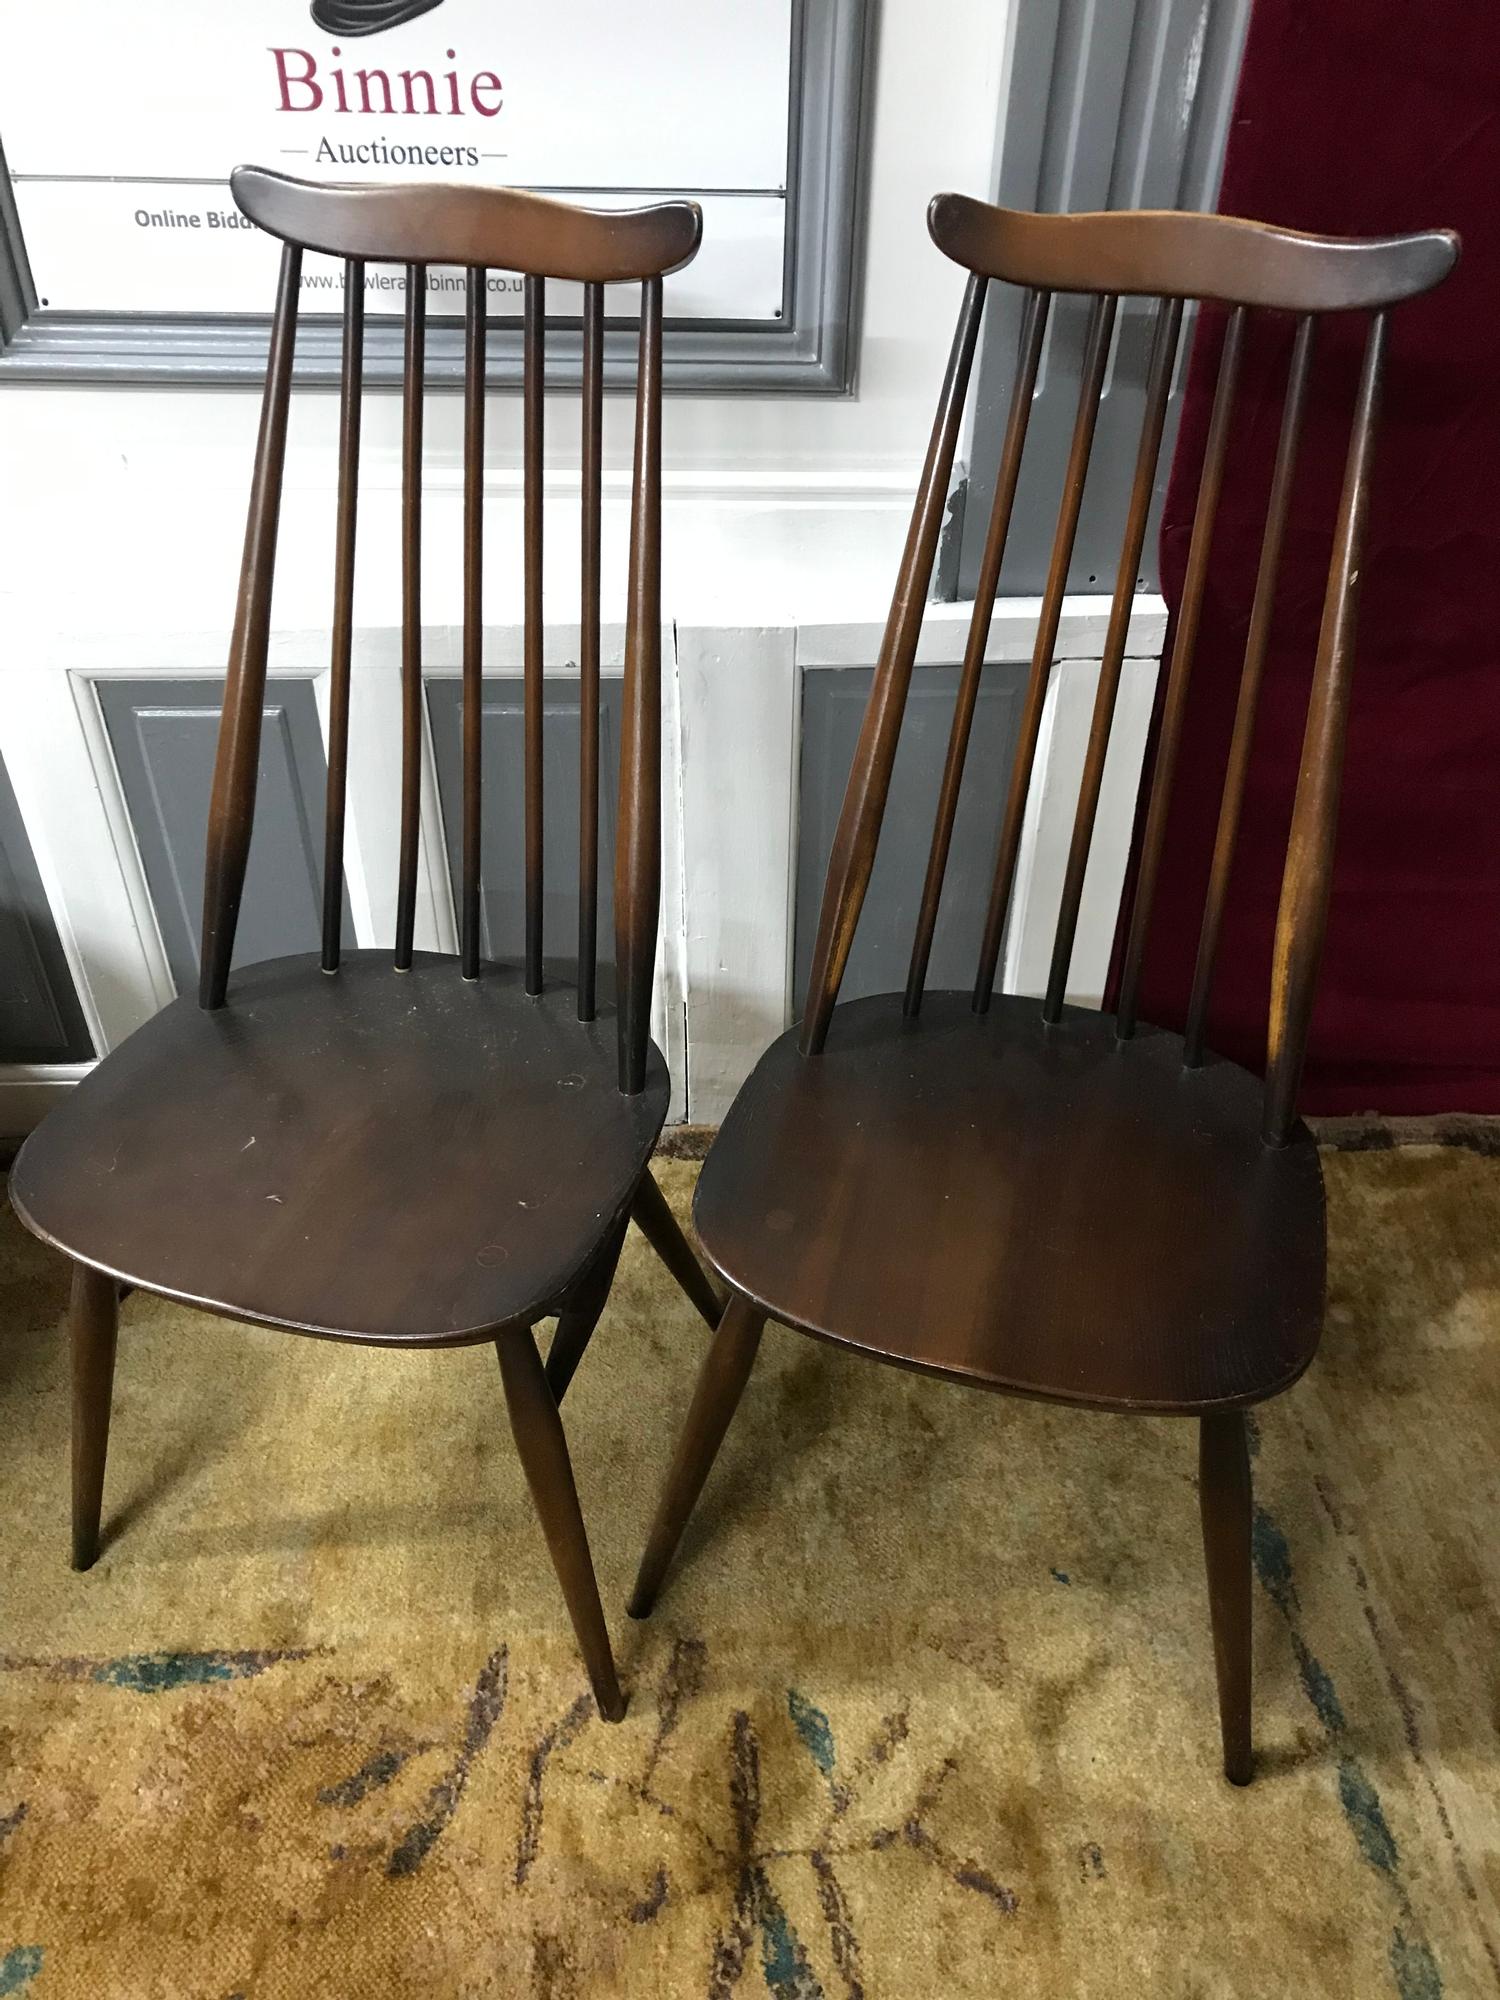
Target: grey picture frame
pixel 808 350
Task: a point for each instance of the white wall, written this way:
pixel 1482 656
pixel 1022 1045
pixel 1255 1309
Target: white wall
pixel 121 513
pixel 779 501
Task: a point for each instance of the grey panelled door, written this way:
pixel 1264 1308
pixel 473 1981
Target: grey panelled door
pixel 40 1018
pixel 163 734
pixel 1112 104
pixel 502 909
pixel 833 705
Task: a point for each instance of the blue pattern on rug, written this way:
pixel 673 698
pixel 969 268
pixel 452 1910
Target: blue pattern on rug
pixel 1413 1967
pixel 19 1967
pixel 814 1728
pixel 159 1673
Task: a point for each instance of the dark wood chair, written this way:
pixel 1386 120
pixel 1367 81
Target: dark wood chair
pixel 1043 1199
pixel 418 1152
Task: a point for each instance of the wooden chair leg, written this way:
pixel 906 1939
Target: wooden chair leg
pixel 579 1317
pixel 543 1450
pixel 721 1381
pixel 1224 1501
pixel 93 1314
pixel 654 1218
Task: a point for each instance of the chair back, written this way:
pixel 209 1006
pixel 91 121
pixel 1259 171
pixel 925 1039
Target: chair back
pixel 479 230
pixel 1171 257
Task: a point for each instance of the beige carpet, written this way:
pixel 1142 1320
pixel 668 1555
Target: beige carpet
pixel 927 1709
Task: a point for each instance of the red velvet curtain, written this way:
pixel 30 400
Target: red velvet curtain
pixel 1361 117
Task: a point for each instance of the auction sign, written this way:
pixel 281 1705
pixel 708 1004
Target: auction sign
pixel 121 124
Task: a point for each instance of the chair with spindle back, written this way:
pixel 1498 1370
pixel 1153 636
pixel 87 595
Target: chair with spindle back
pixel 1046 1200
pixel 421 1153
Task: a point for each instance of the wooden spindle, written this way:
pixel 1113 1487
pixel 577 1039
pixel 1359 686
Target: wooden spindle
pixel 1256 642
pixel 411 610
pixel 534 348
pixel 1033 331
pixel 858 829
pixel 1302 916
pixel 351 393
pixel 1179 671
pixel 1158 390
pixel 638 843
pixel 588 651
pixel 1091 382
pixel 232 804
pixel 476 327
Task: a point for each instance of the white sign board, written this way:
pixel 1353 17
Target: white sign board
pixel 121 178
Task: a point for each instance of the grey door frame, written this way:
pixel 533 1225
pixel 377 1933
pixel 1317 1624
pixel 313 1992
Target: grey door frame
pixel 1108 104
pixel 41 1019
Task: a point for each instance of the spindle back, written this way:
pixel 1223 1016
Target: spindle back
pixel 1173 257
pixel 480 229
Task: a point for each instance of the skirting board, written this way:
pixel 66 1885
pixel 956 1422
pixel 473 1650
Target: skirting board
pixel 28 1092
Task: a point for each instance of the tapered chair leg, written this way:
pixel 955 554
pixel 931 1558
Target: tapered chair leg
pixel 653 1216
pixel 543 1450
pixel 576 1322
pixel 1224 1501
pixel 721 1382
pixel 93 1315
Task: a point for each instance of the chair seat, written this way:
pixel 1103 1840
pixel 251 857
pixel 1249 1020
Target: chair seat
pixel 402 1158
pixel 1043 1210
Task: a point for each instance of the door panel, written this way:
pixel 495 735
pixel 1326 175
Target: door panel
pixel 833 706
pixel 502 903
pixel 163 735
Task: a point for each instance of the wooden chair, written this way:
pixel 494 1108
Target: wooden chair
pixel 391 1152
pixel 1042 1199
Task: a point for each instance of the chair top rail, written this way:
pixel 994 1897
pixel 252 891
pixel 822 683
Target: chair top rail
pixel 1170 253
pixel 498 228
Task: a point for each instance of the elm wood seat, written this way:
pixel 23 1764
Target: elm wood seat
pixel 1023 1195
pixel 407 1150
pixel 1032 1165
pixel 414 1161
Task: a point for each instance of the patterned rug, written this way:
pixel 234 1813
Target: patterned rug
pixel 927 1708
